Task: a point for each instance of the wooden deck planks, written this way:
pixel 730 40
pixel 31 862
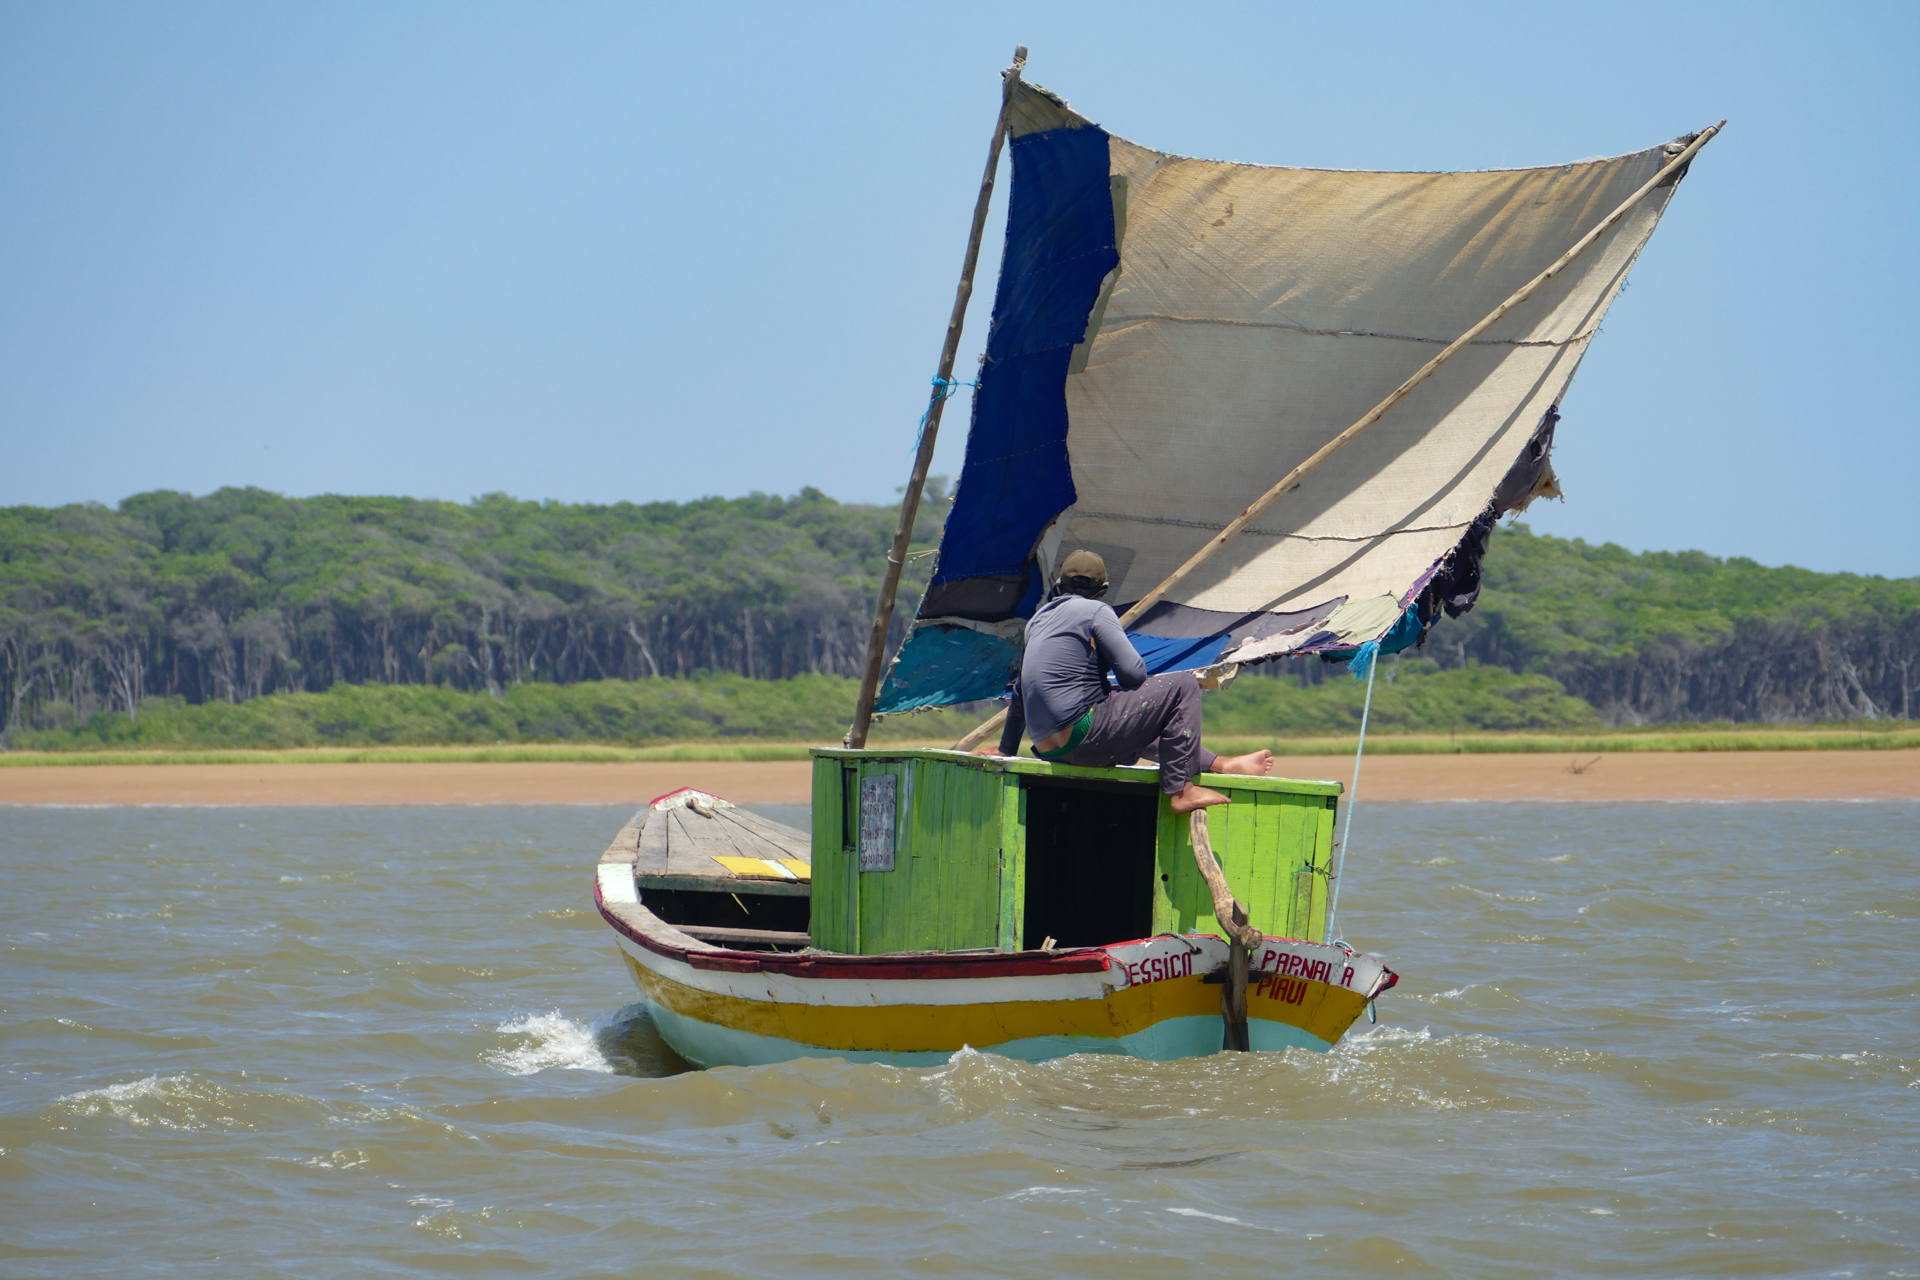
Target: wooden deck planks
pixel 783 842
pixel 653 843
pixel 677 848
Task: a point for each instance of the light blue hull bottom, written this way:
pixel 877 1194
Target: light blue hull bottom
pixel 706 1045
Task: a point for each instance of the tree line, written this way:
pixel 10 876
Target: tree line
pixel 241 592
pixel 1662 637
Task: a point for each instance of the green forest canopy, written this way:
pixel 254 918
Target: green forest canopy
pixel 240 594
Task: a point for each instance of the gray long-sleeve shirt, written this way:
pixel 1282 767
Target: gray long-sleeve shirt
pixel 1072 642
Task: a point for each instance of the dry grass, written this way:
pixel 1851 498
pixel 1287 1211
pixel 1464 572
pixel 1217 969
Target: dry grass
pixel 1853 737
pixel 1888 737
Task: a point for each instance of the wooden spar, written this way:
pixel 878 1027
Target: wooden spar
pixel 923 459
pixel 1293 478
pixel 979 734
pixel 1242 937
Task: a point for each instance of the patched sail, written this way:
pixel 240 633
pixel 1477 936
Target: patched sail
pixel 1171 336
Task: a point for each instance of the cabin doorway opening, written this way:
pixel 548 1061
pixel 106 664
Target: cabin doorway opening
pixel 1090 863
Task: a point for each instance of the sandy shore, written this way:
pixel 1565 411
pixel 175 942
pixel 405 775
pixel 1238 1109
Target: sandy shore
pixel 1701 775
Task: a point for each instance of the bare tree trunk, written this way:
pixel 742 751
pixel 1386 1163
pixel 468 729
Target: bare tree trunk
pixel 653 668
pixel 126 676
pixel 533 659
pixel 486 654
pixel 224 671
pixel 389 661
pixel 14 652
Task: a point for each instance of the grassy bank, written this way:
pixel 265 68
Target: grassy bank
pixel 1417 709
pixel 1879 736
pixel 1864 737
pixel 629 713
pixel 1411 696
pixel 518 753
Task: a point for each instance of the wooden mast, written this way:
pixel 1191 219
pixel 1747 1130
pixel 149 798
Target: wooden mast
pixel 923 459
pixel 1668 172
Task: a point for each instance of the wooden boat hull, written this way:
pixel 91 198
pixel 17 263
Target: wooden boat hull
pixel 1148 998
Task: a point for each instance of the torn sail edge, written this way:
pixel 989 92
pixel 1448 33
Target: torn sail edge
pixel 969 660
pixel 1451 586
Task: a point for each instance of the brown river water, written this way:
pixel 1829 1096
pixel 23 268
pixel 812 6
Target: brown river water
pixel 1630 1039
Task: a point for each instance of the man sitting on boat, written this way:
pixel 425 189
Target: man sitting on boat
pixel 1062 696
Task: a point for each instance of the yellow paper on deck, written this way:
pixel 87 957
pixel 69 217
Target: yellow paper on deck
pixel 763 867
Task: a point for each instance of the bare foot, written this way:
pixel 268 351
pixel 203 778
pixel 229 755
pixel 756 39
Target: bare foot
pixel 1195 797
pixel 1254 763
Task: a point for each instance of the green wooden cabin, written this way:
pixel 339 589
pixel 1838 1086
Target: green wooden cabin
pixel 942 851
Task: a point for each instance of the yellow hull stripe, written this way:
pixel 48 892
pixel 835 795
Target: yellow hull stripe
pixel 1316 1008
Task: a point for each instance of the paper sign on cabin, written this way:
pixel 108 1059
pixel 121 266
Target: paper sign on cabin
pixel 877 797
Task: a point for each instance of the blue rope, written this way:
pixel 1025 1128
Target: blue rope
pixel 943 390
pixel 1362 663
pixel 1367 653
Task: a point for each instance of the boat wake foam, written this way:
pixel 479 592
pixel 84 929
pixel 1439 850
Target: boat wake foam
pixel 551 1040
pixel 619 1043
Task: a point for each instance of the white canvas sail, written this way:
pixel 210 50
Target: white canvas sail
pixel 1168 345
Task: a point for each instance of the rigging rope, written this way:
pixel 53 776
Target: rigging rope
pixel 1369 657
pixel 943 389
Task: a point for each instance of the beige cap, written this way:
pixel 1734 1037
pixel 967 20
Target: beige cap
pixel 1084 564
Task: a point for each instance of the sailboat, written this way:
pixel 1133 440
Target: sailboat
pixel 1285 406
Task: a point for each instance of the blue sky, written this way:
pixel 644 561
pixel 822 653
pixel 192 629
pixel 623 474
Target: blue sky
pixel 601 252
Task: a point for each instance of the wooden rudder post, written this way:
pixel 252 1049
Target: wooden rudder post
pixel 1241 936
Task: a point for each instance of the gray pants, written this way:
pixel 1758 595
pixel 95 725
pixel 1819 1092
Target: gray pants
pixel 1158 721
